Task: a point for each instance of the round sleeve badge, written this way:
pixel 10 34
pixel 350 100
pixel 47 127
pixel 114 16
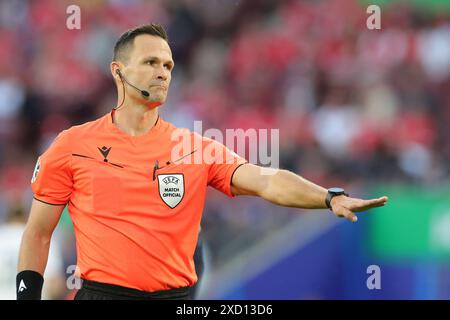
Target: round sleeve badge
pixel 36 170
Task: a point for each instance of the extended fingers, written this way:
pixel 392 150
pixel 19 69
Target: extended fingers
pixel 347 206
pixel 343 212
pixel 372 203
pixel 361 205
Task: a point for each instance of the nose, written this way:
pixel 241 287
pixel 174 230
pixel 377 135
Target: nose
pixel 162 74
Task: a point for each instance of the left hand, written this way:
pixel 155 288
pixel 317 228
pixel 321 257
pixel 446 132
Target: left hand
pixel 345 207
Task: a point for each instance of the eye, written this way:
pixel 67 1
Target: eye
pixel 168 67
pixel 150 62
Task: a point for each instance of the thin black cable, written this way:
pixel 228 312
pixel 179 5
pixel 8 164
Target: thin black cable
pixel 123 93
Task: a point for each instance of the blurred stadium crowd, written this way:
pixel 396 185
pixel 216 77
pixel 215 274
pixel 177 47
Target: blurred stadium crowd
pixel 354 106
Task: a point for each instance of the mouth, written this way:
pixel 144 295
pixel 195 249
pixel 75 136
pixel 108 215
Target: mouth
pixel 159 86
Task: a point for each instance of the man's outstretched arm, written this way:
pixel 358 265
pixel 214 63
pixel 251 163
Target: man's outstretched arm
pixel 285 188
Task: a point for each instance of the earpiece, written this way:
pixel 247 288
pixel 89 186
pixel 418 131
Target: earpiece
pixel 144 93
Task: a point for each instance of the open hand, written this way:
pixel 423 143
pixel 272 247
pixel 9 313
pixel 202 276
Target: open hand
pixel 345 207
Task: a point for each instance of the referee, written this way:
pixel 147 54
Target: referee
pixel 136 209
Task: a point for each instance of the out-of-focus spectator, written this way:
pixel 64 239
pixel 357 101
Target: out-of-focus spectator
pixel 10 236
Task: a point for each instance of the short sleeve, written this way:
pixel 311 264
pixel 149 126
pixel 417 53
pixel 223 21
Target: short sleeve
pixel 52 177
pixel 222 168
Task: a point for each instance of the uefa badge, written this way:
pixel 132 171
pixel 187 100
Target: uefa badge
pixel 171 188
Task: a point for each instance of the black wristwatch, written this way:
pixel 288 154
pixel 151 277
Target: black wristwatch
pixel 333 192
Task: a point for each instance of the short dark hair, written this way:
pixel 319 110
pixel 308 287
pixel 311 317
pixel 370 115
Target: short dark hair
pixel 125 41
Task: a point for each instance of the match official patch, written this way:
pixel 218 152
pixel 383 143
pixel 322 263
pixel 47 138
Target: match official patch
pixel 36 170
pixel 171 188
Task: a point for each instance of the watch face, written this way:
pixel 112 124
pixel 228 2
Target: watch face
pixel 336 190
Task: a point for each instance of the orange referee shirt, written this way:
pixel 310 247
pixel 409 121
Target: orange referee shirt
pixel 136 223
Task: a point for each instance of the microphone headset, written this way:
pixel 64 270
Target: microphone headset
pixel 144 93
